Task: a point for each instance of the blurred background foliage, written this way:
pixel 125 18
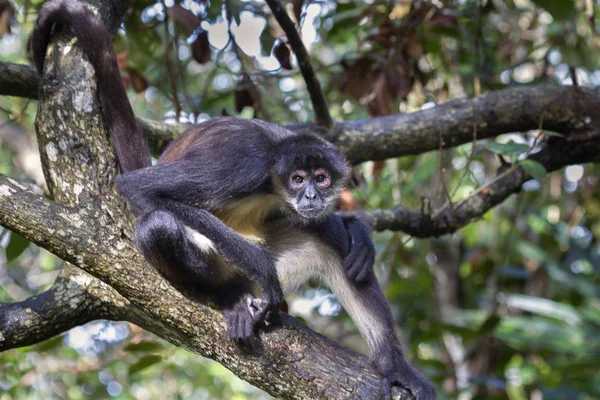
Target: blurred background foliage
pixel 509 307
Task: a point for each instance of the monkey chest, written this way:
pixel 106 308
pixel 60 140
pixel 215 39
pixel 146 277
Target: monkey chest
pixel 247 216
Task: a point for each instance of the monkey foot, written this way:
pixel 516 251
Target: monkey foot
pixel 261 311
pixel 241 323
pixel 421 389
pixel 397 371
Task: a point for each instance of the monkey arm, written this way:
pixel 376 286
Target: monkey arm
pixel 359 263
pixel 200 181
pixel 351 238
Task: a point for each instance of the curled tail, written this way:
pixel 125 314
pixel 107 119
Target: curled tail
pixel 96 42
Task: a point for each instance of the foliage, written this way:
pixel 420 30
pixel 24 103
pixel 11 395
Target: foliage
pixel 506 308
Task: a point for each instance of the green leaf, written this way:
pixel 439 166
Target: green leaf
pixel 525 332
pixel 506 149
pixel 148 347
pixel 144 363
pixel 534 168
pixel 544 307
pixel 16 246
pixel 560 9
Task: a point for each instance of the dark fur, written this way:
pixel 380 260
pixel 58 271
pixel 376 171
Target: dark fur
pixel 205 172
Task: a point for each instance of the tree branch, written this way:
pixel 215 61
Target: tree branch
pixel 18 80
pixel 74 299
pixel 322 116
pixel 515 109
pixel 452 217
pixel 518 109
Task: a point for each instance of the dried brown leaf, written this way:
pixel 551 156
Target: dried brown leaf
pixel 347 201
pixel 246 94
pixel 201 48
pixel 439 18
pixel 185 17
pixel 7 14
pixel 137 80
pixel 282 53
pixel 297 4
pixel 122 59
pixel 358 78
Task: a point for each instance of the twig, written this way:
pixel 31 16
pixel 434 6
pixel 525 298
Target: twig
pixel 478 37
pixel 590 13
pixel 468 165
pixel 535 140
pixel 573 73
pixel 321 110
pixel 170 73
pixel 442 175
pixel 193 106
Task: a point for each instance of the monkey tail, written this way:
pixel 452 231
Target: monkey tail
pixel 96 42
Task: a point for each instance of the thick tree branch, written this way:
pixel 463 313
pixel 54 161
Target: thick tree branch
pixel 317 98
pixel 564 109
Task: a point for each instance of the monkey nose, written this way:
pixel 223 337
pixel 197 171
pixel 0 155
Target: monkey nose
pixel 310 196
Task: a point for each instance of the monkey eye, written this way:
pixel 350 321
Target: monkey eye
pixel 297 179
pixel 320 178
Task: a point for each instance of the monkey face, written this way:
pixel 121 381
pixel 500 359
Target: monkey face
pixel 310 192
pixel 308 174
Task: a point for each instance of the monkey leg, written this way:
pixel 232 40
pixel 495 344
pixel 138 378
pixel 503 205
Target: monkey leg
pixel 300 256
pixel 166 244
pixel 371 312
pixel 252 261
pixel 186 257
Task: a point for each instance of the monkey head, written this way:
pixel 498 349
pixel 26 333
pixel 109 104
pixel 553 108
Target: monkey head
pixel 308 174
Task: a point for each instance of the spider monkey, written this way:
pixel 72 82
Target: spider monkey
pixel 236 202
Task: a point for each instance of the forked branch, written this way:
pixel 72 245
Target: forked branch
pixel 452 217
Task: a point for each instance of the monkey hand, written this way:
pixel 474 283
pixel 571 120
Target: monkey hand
pixel 397 371
pixel 350 237
pixel 360 260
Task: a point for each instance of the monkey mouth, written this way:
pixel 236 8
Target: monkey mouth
pixel 311 212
